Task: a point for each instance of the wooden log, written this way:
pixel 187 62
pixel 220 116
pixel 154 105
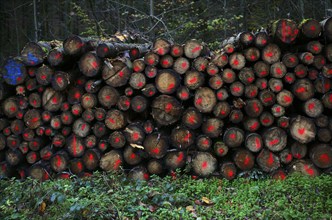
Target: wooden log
pixel 115 119
pixel 182 138
pixel 10 107
pixel 267 97
pixel 76 46
pixel 60 81
pixel 57 57
pixel 212 127
pixel 289 78
pixel 284 99
pixel 151 58
pixel 132 156
pixel 322 121
pixel 139 51
pixel 139 104
pixel 58 141
pixel 167 81
pixel 161 46
pixel 283 122
pixel 222 94
pixel 204 164
pixel 74 95
pixel 91 159
pixel 244 159
pixel 89 64
pixel 32 157
pixel 237 61
pixel 117 139
pixel 303 167
pixel 313 107
pixel 268 161
pixel 137 80
pixel 108 96
pixel 306 58
pixel 155 167
pixel 56 123
pixel 271 53
pixel 236 116
pixel 302 129
pixel 275 85
pixel 200 64
pixel 220 149
pixel 324 135
pixel 221 110
pixel 32 119
pixel 254 142
pixel 2 142
pixel 266 119
pixel 237 89
pixel 111 161
pixel 100 114
pixel 59 161
pixel 228 75
pixel 139 173
pixel 284 31
pixel 99 129
pixel 175 160
pixel 321 155
pixel 13 141
pixel 134 134
pixel 246 75
pixel 285 156
pixel 253 107
pixel 261 69
pixel 328 52
pixel 14 157
pixel 74 146
pixel 156 145
pixel 123 103
pixel 310 28
pixel 212 69
pixel 327 29
pixel 116 73
pixel 327 70
pixel 176 50
pixel 220 60
pixel 34 53
pixel 183 93
pixel 89 101
pixel 290 60
pixel 90 141
pixel 233 137
pixel 181 65
pixel 14 71
pixel 193 79
pixel 278 70
pixel 81 128
pixel 88 115
pixel 261 39
pixel 275 139
pixel 138 65
pixel 39 172
pixel 103 145
pixel 192 118
pixel 17 127
pixel 327 100
pixel 251 124
pixel 314 47
pixel 228 170
pixel 166 110
pixel 52 100
pixel 148 126
pixel 251 54
pixel 193 49
pixel 319 62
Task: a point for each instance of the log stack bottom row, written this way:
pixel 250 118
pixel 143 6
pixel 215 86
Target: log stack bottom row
pixel 262 101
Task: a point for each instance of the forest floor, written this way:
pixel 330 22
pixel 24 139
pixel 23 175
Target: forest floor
pixel 109 196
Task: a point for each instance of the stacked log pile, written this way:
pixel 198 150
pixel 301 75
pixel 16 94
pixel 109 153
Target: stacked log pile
pixel 262 101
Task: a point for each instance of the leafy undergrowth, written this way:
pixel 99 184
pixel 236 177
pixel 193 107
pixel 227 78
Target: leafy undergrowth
pixel 107 196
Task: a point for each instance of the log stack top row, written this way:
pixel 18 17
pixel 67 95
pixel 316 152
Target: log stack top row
pixel 261 101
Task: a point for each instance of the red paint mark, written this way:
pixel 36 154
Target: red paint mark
pixel 263 85
pixel 198 48
pixel 289 157
pixel 221 151
pixel 176 51
pixel 264 41
pixel 79 166
pixel 146 176
pixel 287 98
pixel 219 95
pixel 151 61
pixel 204 164
pixel 165 62
pixel 236 116
pixel 132 156
pixel 58 161
pixel 155 150
pixel 105 49
pixel 134 52
pixel 232 136
pixel 170 86
pixel 284 124
pixel 47 156
pixel 117 140
pixel 184 65
pixel 254 126
pixel 279 71
pixel 83 127
pixel 56 124
pixel 250 79
pixel 77 95
pixel 315 47
pixel 199 101
pixel 187 137
pixel 212 71
pixel 135 136
pixel 268 99
pixel 168 107
pixel 127 102
pixel 140 84
pixel 230 50
pixel 312 27
pixel 270 161
pixel 58 56
pixel 324 158
pixel 13 143
pixel 184 95
pixel 117 163
pixel 13 108
pixel 269 54
pixel 151 93
pixel 138 107
pixel 308 58
pixel 160 51
pixel 266 120
pixel 277 87
pixel 236 89
pixel 274 142
pixel 218 82
pixel 300 72
pixel 43 77
pixel 137 68
pixel 246 160
pixel 91 157
pixel 94 64
pixel 192 119
pixel 258 143
pixel 309 170
pixel 301 131
pixel 111 120
pixel 236 62
pixel 222 112
pixel 250 38
pixel 205 142
pixel 202 67
pixel 76 111
pixel 288 78
pixel 230 173
pixel 252 57
pixel 180 157
pixel 121 74
pixel 256 107
pixel 229 75
pixel 311 106
pixel 210 128
pixel 54 100
pixel 193 80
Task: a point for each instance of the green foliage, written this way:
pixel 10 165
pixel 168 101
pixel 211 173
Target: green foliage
pixel 109 196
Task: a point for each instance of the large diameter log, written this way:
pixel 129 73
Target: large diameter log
pixel 90 64
pixel 271 53
pixel 244 159
pixel 111 161
pixel 175 160
pixel 116 73
pixel 52 100
pixel 74 146
pixel 115 119
pixel 182 137
pixel 205 99
pixel 233 137
pixel 14 72
pixel 310 28
pixel 304 167
pixel 166 110
pixel 284 30
pixel 268 161
pixel 327 28
pixel 156 145
pixel 303 129
pixel 204 164
pixel 321 155
pixel 275 139
pixel 167 81
pixel 193 49
pixel 59 161
pixel 34 54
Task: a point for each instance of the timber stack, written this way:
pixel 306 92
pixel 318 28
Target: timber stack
pixel 262 101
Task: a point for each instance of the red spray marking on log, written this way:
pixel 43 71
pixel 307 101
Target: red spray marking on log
pixel 246 160
pixel 309 170
pixel 204 164
pixel 132 156
pixel 301 90
pixel 270 161
pixel 230 173
pixel 221 151
pixel 258 143
pixel 287 99
pixel 43 77
pixel 58 161
pixel 192 119
pixel 184 95
pixel 180 157
pixel 135 136
pixel 94 65
pixel 269 54
pixel 176 51
pixel 212 71
pixel 229 75
pixel 256 107
pixel 301 131
pixel 121 74
pixel 266 120
pixel 160 51
pixel 151 61
pixel 254 126
pixel 232 136
pixel 230 50
pixel 250 79
pixel 289 157
pixel 219 95
pixel 236 62
pixel 267 99
pixel 187 137
pixel 274 142
pixel 184 65
pixel 117 164
pixel 168 107
pixel 199 101
pixel 156 150
pixel 196 49
pixel 165 62
pixel 205 142
pixel 170 86
pixel 311 106
pixel 236 89
pixel 277 87
pixel 324 158
pixel 140 84
pixel 202 66
pixel 210 128
pixel 193 80
pixel 283 124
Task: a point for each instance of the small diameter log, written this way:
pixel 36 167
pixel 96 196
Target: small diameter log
pixel 303 129
pixel 275 139
pixel 285 156
pixel 32 157
pixel 261 69
pixel 303 167
pixel 222 94
pixel 108 96
pixel 74 146
pixel 115 119
pixel 138 65
pixel 59 161
pixel 115 73
pixel 34 54
pixel 252 54
pixel 268 161
pixel 313 107
pixel 212 69
pixel 111 161
pixel 314 47
pixel 161 46
pixel 246 75
pixel 221 110
pixel 261 83
pixel 132 156
pixel 327 28
pixel 251 124
pixel 103 145
pixel 151 59
pixel 193 49
pixel 284 98
pixel 245 38
pixel 228 170
pixel 275 85
pixel 233 137
pixel 203 143
pixel 183 93
pixel 237 61
pixel 99 129
pixel 306 58
pixel 278 70
pixel 138 51
pixel 38 171
pixel 182 138
pixel 156 145
pixel 301 71
pixel 57 57
pixel 321 155
pixel 303 89
pixel 253 107
pixel 137 80
pixel 244 159
pixel 220 60
pixel 193 79
pixel 167 81
pixel 228 75
pixel 166 61
pixel 176 50
pixel 32 119
pixel 204 164
pixel 254 142
pixel 76 46
pixel 89 101
pixel 328 52
pixel 212 127
pixel 271 53
pixel 88 115
pixel 192 118
pixel 14 157
pixel 60 81
pixel 284 30
pixel 134 134
pixel 324 135
pixel 175 160
pixel 91 159
pixel 117 139
pixel 10 107
pixel 58 141
pixel 327 100
pixel 139 173
pixel 322 121
pixel 200 64
pixel 166 110
pixel 76 166
pixel 289 78
pixel 319 62
pixel 327 70
pixel 148 126
pixel 34 100
pixel 283 122
pixel 290 60
pixel 139 104
pixel 237 89
pixel 81 128
pixel 181 65
pixel 14 72
pixel 236 116
pixel 261 39
pixel 266 119
pixel 123 103
pixel 220 149
pixel 155 167
pixel 267 97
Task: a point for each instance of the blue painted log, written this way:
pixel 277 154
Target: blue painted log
pixel 14 71
pixel 34 54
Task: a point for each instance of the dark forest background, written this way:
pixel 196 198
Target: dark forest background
pixel 209 20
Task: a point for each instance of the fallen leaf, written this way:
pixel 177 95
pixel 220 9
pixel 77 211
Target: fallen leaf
pixel 190 208
pixel 207 201
pixel 42 207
